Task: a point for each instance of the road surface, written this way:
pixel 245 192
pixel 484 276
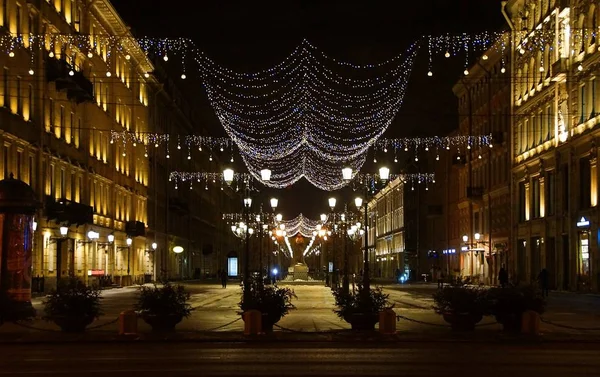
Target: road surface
pixel 299 359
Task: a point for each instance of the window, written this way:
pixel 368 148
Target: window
pixel 6 161
pixel 62 118
pixel 550 184
pixel 51 112
pixel 19 98
pixel 522 200
pixel 535 197
pixel 31 26
pixel 73 186
pixel 18 19
pixel 19 164
pixel 6 86
pixel 62 183
pixel 565 187
pixel 32 171
pixel 585 183
pixel 71 127
pixel 5 13
pixel 52 181
pixel 583 107
pixel 30 99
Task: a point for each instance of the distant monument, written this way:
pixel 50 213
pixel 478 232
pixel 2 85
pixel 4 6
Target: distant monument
pixel 299 266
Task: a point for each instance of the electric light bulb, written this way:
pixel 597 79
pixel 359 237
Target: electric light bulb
pixel 503 70
pixel 127 57
pixel 580 68
pixel 541 69
pixel 71 73
pixel 90 55
pixel 183 76
pixel 145 154
pixel 178 146
pixel 166 58
pixel 168 156
pixel 484 57
pixel 437 157
pixel 51 54
pixel 108 74
pixel 429 73
pixel 189 157
pixel 11 54
pixel 447 54
pixel 146 75
pixel 466 72
pixel 31 72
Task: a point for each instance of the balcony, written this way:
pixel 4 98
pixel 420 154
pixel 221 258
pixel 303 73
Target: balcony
pixel 67 211
pixel 475 192
pixel 66 78
pixel 135 228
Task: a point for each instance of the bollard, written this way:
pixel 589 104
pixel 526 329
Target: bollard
pixel 252 322
pixel 530 323
pixel 128 323
pixel 387 322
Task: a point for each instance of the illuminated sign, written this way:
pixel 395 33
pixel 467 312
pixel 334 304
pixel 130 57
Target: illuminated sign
pixel 96 273
pixel 232 266
pixel 583 222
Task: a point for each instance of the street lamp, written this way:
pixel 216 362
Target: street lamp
pixel 358 202
pixel 248 202
pixel 265 175
pixel 228 175
pixel 111 238
pixel 279 217
pixel 347 173
pixel 274 203
pixel 63 230
pixel 93 235
pixel 465 238
pixel 128 241
pixel 332 202
pixel 154 245
pixel 477 236
pixel 323 218
pixel 384 173
pixel 34 225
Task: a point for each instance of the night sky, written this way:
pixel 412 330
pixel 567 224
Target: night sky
pixel 252 35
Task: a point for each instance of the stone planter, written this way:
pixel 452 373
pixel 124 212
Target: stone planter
pixel 73 324
pixel 511 322
pixel 162 323
pixel 362 321
pixel 462 321
pixel 268 320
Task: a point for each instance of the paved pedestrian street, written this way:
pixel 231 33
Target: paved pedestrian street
pixel 216 310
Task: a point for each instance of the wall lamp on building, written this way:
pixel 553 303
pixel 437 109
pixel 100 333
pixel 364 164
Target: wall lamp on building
pixel 474 246
pixel 63 231
pixel 92 236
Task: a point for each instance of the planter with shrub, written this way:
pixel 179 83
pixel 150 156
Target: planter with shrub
pixel 13 311
pixel 509 304
pixel 361 309
pixel 273 302
pixel 163 307
pixel 72 306
pixel 462 307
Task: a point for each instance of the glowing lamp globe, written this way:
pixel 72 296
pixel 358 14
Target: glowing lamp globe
pixel 265 175
pixel 274 203
pixel 332 203
pixel 358 202
pixel 178 249
pixel 347 174
pixel 384 173
pixel 228 175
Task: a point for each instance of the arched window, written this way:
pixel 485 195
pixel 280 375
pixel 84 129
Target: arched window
pixel 592 26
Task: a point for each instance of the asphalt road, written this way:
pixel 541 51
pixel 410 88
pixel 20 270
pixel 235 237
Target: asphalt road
pixel 299 359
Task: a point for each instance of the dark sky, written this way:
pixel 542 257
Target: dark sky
pixel 248 35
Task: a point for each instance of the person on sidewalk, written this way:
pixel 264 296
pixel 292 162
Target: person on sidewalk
pixel 543 279
pixel 503 277
pixel 440 277
pixel 223 279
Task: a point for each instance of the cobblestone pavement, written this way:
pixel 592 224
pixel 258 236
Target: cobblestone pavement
pixel 216 309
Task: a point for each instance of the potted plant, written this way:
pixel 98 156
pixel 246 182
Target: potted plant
pixel 163 307
pixel 72 306
pixel 461 306
pixel 361 308
pixel 273 302
pixel 508 304
pixel 13 311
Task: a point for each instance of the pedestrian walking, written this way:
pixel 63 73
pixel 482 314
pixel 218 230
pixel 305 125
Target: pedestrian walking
pixel 440 278
pixel 503 277
pixel 543 279
pixel 223 279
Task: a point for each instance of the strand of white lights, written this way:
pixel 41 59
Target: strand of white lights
pixel 301 225
pixel 204 178
pixel 412 179
pixel 287 242
pixel 416 144
pixel 312 240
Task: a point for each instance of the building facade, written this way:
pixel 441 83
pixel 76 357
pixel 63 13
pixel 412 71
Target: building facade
pixel 72 74
pixel 483 206
pixel 554 154
pixel 386 231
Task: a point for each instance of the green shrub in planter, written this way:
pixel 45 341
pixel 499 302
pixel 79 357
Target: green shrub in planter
pixel 13 311
pixel 361 309
pixel 72 305
pixel 273 302
pixel 508 304
pixel 461 306
pixel 163 307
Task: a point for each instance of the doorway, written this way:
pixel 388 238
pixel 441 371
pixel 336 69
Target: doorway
pixel 566 278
